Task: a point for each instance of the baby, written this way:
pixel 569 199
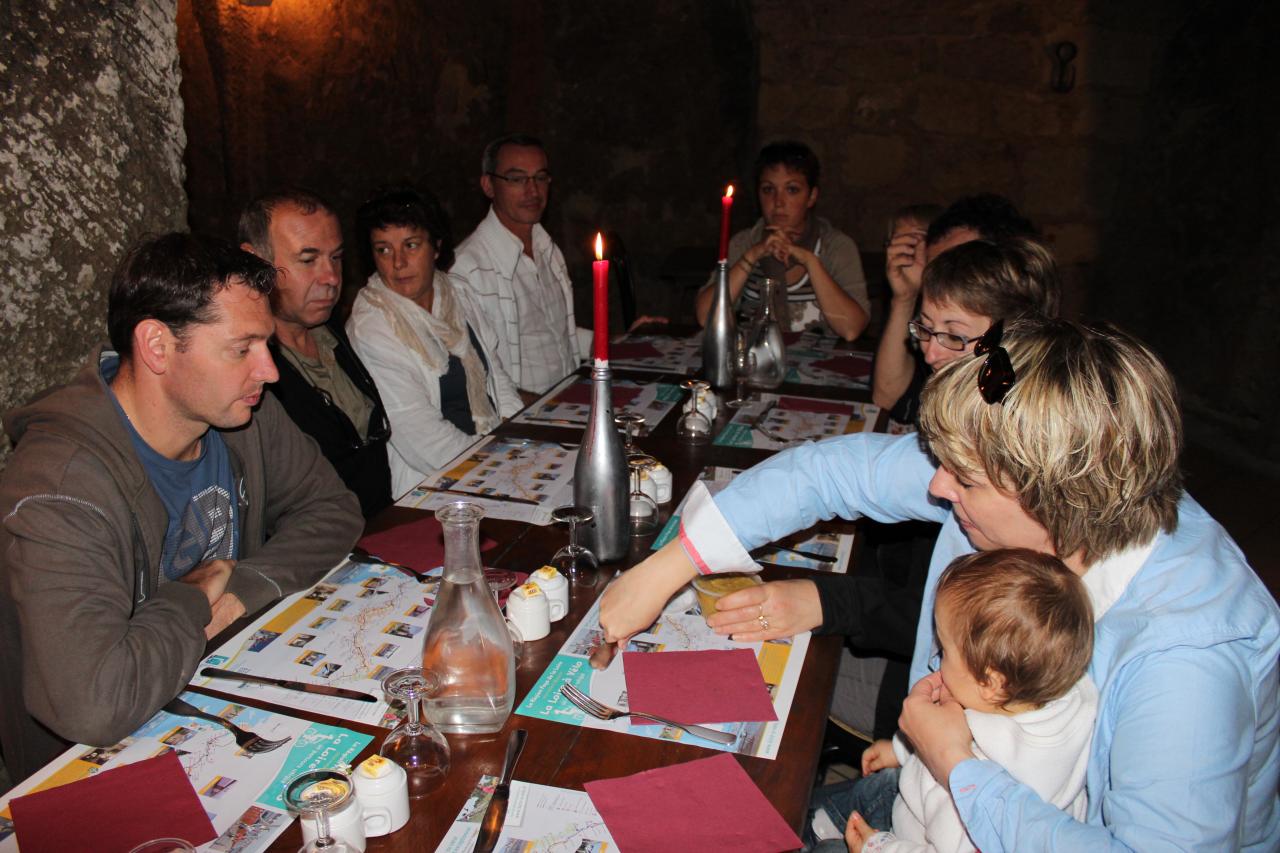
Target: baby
pixel 1015 633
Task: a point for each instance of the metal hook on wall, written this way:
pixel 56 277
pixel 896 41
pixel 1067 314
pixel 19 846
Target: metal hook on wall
pixel 1063 77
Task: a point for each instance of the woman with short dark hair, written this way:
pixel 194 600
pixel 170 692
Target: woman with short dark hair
pixel 817 266
pixel 429 351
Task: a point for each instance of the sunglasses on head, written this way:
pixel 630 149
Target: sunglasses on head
pixel 996 375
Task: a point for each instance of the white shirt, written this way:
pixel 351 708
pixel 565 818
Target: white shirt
pixel 422 441
pixel 1047 749
pixel 529 300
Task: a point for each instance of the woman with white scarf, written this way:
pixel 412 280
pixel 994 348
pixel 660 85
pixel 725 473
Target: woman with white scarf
pixel 429 351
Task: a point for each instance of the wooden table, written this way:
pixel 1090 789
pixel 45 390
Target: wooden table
pixel 568 756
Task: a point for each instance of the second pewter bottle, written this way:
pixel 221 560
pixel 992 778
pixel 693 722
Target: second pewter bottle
pixel 720 336
pixel 467 647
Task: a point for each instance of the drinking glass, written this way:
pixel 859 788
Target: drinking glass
pixel 164 845
pixel 644 509
pixel 693 424
pixel 574 561
pixel 630 423
pixel 317 794
pixel 415 744
pixel 744 364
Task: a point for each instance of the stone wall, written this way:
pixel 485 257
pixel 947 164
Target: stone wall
pixel 646 108
pixel 91 143
pixel 928 100
pixel 1191 256
pixel 1153 179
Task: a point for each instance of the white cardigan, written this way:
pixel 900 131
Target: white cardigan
pixel 1047 749
pixel 422 441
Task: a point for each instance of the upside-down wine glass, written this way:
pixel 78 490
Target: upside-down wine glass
pixel 643 508
pixel 573 561
pixel 630 423
pixel 415 744
pixel 693 424
pixel 317 794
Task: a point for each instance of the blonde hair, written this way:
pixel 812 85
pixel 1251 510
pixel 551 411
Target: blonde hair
pixel 1022 614
pixel 1087 439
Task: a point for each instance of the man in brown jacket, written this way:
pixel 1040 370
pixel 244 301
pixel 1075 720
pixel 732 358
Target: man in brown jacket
pixel 151 502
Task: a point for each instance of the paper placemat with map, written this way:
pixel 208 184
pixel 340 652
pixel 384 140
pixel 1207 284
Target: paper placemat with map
pixel 679 628
pixel 540 819
pixel 539 474
pixel 568 404
pixel 776 421
pixel 817 551
pixel 660 353
pixel 242 794
pixel 830 368
pixel 359 623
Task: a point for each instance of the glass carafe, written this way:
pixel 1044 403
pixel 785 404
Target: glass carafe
pixel 467 647
pixel 768 349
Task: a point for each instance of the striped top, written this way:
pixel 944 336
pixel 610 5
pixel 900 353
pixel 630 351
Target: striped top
pixel 838 253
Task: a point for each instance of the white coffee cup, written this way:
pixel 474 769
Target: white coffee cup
pixel 346 824
pixel 556 588
pixel 530 610
pixel 382 788
pixel 660 475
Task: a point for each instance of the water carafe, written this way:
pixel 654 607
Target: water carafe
pixel 468 646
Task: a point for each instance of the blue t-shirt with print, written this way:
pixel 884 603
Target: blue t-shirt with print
pixel 198 495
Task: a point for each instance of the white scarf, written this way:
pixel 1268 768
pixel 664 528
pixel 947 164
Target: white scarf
pixel 447 326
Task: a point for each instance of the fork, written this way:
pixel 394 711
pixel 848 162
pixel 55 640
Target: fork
pixel 600 711
pixel 248 741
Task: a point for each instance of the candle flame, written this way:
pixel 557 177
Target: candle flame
pixel 728 191
pixel 599 247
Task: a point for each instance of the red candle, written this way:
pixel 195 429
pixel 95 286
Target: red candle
pixel 725 203
pixel 600 277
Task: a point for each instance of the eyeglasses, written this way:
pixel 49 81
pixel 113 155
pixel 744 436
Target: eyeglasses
pixel 996 375
pixel 922 333
pixel 523 180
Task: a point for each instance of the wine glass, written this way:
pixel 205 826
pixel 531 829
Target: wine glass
pixel 318 794
pixel 164 845
pixel 693 424
pixel 415 745
pixel 744 364
pixel 630 423
pixel 643 508
pixel 574 561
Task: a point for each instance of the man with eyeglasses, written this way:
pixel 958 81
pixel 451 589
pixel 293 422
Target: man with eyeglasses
pixel 517 273
pixel 323 386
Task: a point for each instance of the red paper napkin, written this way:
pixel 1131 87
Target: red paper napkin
pixel 821 407
pixel 643 349
pixel 706 805
pixel 418 544
pixel 714 686
pixel 115 810
pixel 852 366
pixel 580 393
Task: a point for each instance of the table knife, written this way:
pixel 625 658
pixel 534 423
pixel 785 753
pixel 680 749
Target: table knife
pixel 764 413
pixel 504 498
pixel 300 686
pixel 496 814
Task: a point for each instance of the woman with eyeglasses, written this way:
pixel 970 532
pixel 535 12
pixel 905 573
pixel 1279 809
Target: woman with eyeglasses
pixel 963 292
pixel 429 350
pixel 818 266
pixel 1061 438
